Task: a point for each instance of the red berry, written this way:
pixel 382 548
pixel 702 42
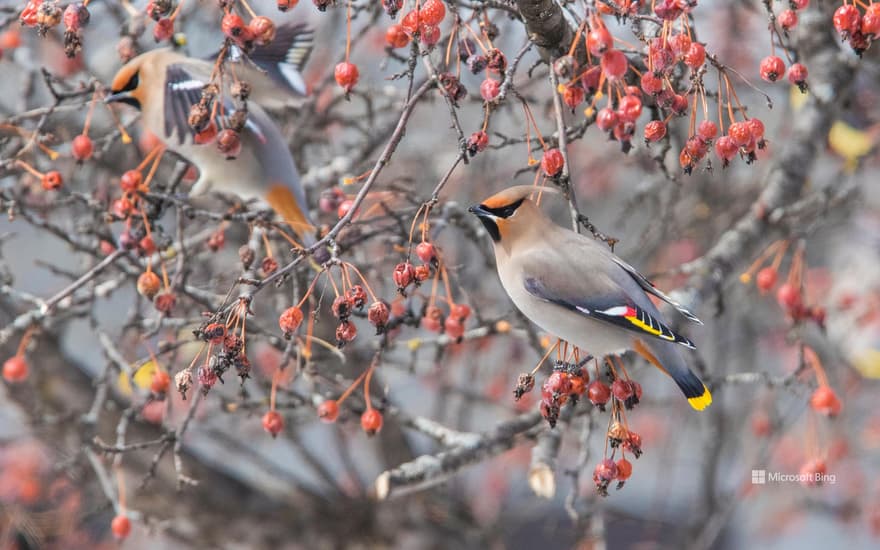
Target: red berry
pixel 614 64
pixel 680 44
pixel 290 320
pixel 772 68
pixel 344 207
pixel 147 245
pixel 371 421
pixel 799 4
pixel 655 130
pixel 552 162
pixel 797 73
pixel 695 56
pixel 726 149
pixel 262 29
pixel 573 95
pixel 131 181
pixel 621 389
pixel 15 369
pixel 163 30
pixel 489 89
pixel 273 423
pixel 847 19
pixel 756 128
pixel 766 279
pixel 426 252
pixel 160 382
pixel 741 133
pixel 120 526
pixel 453 327
pixel 28 15
pixel 429 34
pixel 651 84
pixel 356 296
pixel 788 296
pixel 81 147
pixel 598 392
pixel 284 5
pixel 341 307
pixel 432 12
pixel 52 180
pixel 599 41
pixel 328 411
pixel 871 21
pixel 788 19
pixel 346 75
pixel 148 285
pixel 606 119
pixel 121 208
pixel 624 469
pixel 460 311
pixel 403 275
pixel 232 25
pixel 229 143
pixel 411 22
pixel 630 108
pixel 433 319
pixel 825 401
pixel 477 142
pixel 707 130
pixel 812 471
pixel 396 37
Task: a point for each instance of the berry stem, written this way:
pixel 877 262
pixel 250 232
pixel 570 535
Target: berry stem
pixel 364 281
pixel 348 31
pixel 813 361
pixel 249 10
pixel 546 355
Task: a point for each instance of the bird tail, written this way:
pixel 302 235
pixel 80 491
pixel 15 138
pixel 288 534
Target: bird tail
pixel 666 357
pixel 282 200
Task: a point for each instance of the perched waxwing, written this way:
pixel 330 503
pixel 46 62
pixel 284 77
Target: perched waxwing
pixel 164 85
pixel 576 289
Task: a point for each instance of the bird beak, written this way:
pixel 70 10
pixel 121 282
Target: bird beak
pixel 480 211
pixel 118 97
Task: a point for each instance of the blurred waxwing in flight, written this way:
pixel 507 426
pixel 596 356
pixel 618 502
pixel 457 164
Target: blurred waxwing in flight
pixel 165 85
pixel 579 291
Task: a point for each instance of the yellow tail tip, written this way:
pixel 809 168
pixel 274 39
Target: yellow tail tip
pixel 701 402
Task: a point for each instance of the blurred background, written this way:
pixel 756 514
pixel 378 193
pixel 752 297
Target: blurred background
pixel 459 462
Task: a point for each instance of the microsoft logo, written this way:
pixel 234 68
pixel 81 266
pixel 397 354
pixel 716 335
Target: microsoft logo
pixel 759 477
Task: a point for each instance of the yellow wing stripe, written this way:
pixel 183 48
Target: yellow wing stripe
pixel 703 401
pixel 648 328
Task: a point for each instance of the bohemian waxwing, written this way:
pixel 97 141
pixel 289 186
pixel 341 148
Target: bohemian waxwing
pixel 164 85
pixel 576 289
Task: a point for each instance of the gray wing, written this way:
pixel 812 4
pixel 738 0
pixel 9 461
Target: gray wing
pixel 592 292
pixel 649 287
pixel 182 91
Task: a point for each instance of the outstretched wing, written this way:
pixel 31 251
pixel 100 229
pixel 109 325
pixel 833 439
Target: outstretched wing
pixel 182 91
pixel 283 59
pixel 649 287
pixel 610 305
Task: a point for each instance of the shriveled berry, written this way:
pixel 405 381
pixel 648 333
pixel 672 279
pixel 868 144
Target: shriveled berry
pixel 426 252
pixel 695 56
pixel 378 314
pixel 229 143
pixel 273 423
pixel 655 130
pixel 262 29
pixel 131 180
pixel 573 95
pixel 411 22
pixel 797 75
pixel 290 320
pixel 403 275
pixel 651 84
pixel 621 389
pixel 788 19
pixel 345 333
pixel 605 472
pixel 429 35
pixel 629 108
pixel 726 149
pixel 269 265
pixel 680 44
pixel 284 5
pixel 477 142
pixel 356 295
pixel 233 26
pixel 740 133
pixel 489 89
pixel 707 130
pixel 163 30
pixel 328 411
pixel 552 162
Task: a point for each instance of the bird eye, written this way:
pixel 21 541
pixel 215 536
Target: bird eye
pixel 509 210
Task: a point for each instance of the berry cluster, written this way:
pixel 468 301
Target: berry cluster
pixel 857 28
